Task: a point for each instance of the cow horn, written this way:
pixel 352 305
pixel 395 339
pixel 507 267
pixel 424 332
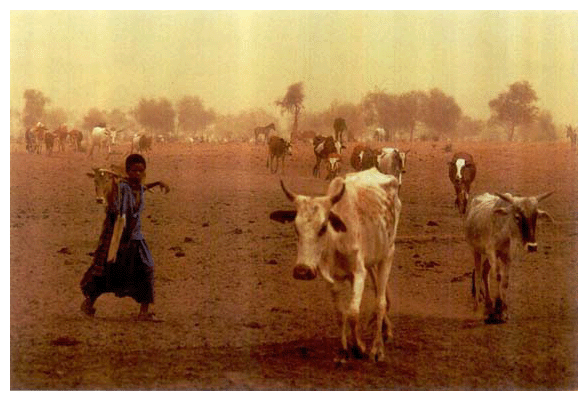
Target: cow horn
pixel 105 170
pixel 506 197
pixel 543 196
pixel 289 194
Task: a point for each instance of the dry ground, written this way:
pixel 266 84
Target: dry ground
pixel 234 318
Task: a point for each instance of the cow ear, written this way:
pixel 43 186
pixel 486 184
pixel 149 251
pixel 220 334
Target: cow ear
pixel 542 214
pixel 337 223
pixel 283 216
pixel 91 175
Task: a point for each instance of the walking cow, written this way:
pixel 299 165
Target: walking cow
pixel 462 171
pixel 494 225
pixel 339 126
pixel 346 235
pixel 278 148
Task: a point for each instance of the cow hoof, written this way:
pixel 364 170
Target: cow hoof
pixel 377 355
pixel 358 352
pixel 494 319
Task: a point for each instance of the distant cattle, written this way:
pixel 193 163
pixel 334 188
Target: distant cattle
pixel 49 142
pixel 61 134
pixel 141 143
pixel 261 133
pixel 572 133
pixel 39 132
pixel 278 148
pixel 323 146
pixel 380 135
pixel 347 235
pixel 363 158
pixel 333 165
pixel 494 226
pixel 339 126
pixel 462 172
pixel 75 137
pixel 100 138
pixel 392 161
pixel 30 140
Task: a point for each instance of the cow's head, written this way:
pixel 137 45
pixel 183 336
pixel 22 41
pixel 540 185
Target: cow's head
pixel 524 211
pixel 313 218
pixel 105 184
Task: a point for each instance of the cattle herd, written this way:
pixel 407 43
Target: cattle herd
pixel 349 233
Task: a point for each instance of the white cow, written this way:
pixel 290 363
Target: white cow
pixel 343 235
pixel 494 225
pixel 392 161
pixel 100 137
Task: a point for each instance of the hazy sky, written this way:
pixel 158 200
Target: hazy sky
pixel 237 60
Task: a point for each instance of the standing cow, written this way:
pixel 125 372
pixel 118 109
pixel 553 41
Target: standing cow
pixel 323 146
pixel 392 161
pixel 345 236
pixel 462 171
pixel 100 138
pixel 494 226
pixel 339 126
pixel 363 158
pixel 277 148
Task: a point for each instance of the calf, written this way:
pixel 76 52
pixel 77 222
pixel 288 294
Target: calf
pixel 278 148
pixel 333 165
pixel 462 171
pixel 323 147
pixel 494 225
pixel 363 158
pixel 346 235
pixel 392 161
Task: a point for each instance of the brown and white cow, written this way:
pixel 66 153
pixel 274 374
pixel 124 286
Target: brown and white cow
pixel 323 146
pixel 333 165
pixel 392 161
pixel 346 235
pixel 494 226
pixel 462 172
pixel 277 148
pixel 363 158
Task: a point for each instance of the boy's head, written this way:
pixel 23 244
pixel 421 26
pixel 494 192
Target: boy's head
pixel 135 166
pixel 133 159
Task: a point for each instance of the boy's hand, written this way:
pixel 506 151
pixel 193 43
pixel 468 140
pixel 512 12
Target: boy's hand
pixel 164 187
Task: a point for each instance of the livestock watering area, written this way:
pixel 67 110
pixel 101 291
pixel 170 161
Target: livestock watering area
pixel 232 315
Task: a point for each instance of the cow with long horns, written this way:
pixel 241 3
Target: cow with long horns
pixel 346 235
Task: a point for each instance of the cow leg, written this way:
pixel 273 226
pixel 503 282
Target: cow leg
pixel 336 292
pixel 382 304
pixel 477 280
pixel 357 286
pixel 492 292
pixel 502 278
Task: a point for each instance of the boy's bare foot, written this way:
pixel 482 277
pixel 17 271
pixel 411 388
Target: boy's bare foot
pixel 87 308
pixel 148 317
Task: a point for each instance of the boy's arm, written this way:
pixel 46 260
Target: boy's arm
pixel 161 184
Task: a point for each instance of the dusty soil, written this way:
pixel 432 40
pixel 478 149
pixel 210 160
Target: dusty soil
pixel 234 318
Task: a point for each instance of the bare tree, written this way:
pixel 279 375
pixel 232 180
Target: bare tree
pixel 514 107
pixel 292 103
